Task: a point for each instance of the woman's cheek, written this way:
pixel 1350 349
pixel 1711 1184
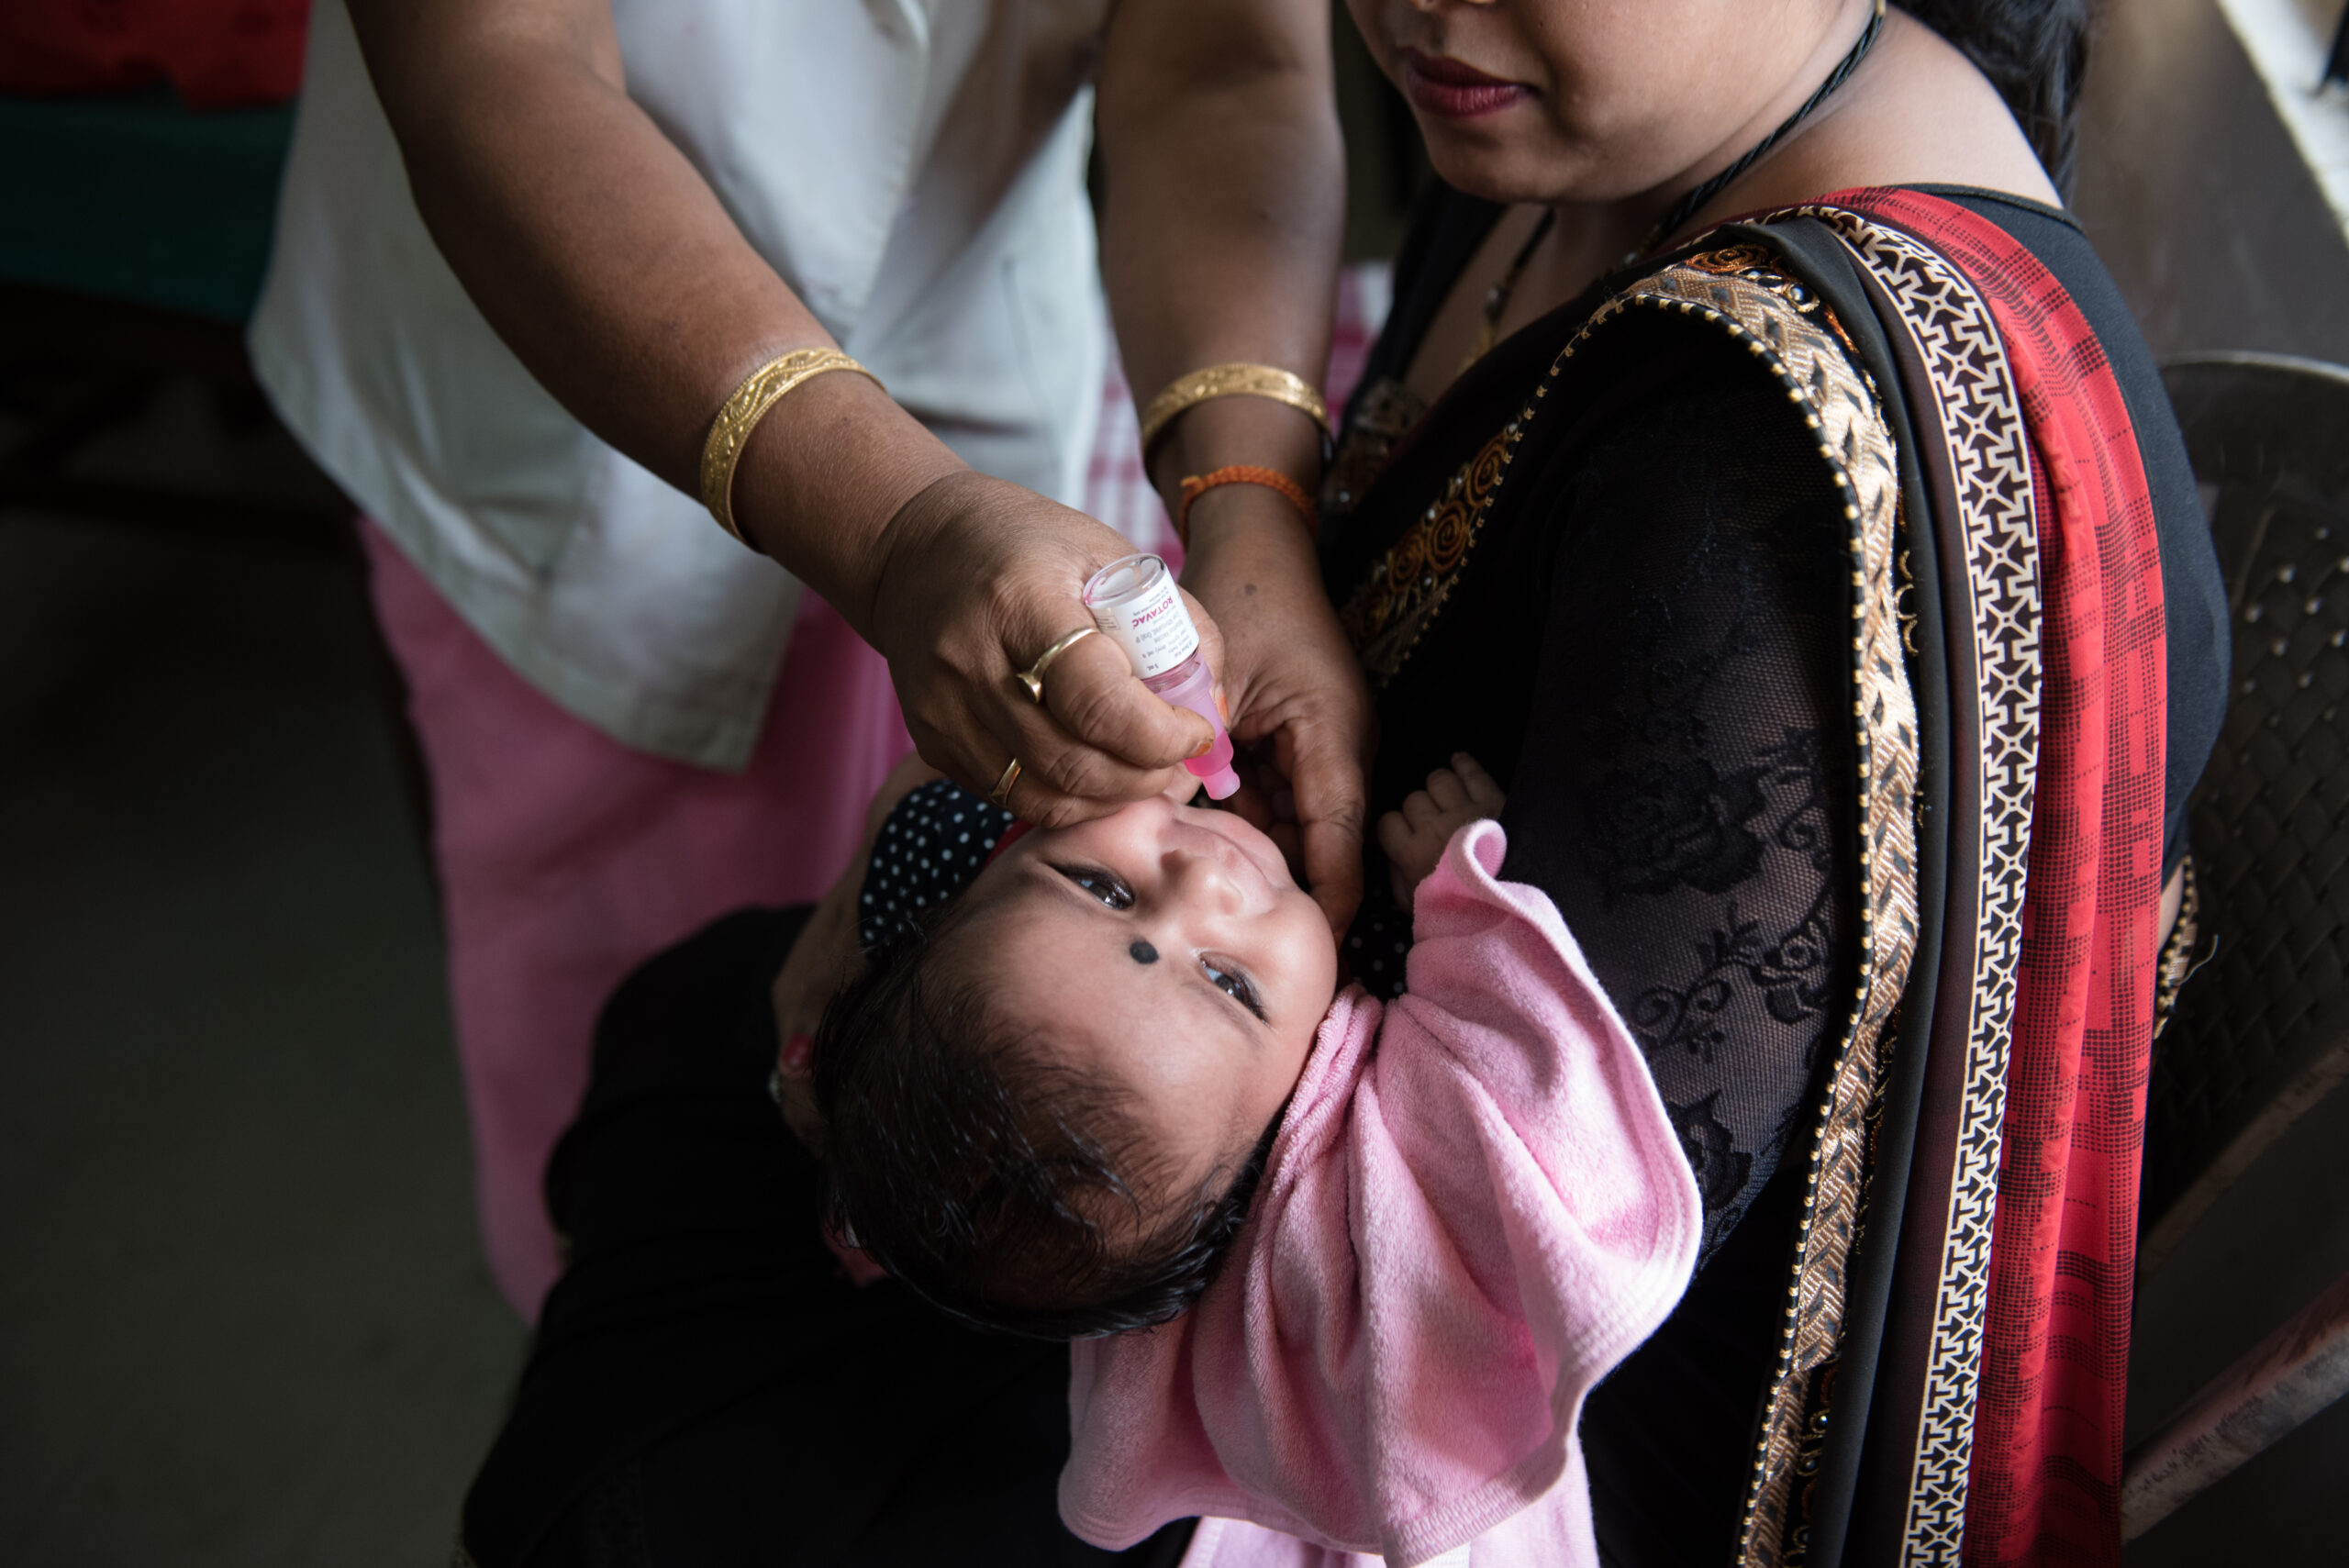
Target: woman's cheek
pixel 1378 35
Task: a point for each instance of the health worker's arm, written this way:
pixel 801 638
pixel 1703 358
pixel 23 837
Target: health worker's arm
pixel 605 262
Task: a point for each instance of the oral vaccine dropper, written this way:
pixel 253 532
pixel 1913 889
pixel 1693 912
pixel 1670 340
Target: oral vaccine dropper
pixel 1135 603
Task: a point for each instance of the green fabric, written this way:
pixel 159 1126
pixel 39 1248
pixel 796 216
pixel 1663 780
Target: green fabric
pixel 138 197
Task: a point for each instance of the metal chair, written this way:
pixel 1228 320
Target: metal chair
pixel 2261 1035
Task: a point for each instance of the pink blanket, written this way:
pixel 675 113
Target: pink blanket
pixel 1476 1208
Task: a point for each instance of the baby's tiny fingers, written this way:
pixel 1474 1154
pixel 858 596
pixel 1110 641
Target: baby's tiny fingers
pixel 1421 811
pixel 1395 836
pixel 1448 792
pixel 1483 790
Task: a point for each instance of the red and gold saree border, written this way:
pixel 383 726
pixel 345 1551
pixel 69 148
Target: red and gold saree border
pixel 2031 1314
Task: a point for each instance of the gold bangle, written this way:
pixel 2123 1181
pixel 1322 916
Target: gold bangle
pixel 1229 381
pixel 730 431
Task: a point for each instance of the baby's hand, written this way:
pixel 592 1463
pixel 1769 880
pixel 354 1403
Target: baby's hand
pixel 1414 836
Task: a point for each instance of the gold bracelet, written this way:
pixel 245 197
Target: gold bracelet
pixel 1228 381
pixel 730 431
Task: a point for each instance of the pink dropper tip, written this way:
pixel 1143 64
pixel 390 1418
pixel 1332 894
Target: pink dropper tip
pixel 1221 784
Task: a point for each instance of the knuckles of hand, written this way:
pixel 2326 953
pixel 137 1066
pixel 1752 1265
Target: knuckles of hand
pixel 1081 774
pixel 1063 812
pixel 1089 706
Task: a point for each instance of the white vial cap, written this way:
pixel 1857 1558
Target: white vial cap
pixel 1137 606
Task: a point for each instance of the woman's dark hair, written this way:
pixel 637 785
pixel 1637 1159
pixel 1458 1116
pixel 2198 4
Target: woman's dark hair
pixel 2036 52
pixel 1008 1190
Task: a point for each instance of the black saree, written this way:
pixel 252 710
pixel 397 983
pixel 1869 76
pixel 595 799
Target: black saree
pixel 1676 562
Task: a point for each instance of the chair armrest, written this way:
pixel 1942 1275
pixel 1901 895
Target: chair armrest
pixel 2293 1373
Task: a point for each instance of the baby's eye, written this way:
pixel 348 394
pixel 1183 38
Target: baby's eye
pixel 1105 885
pixel 1233 983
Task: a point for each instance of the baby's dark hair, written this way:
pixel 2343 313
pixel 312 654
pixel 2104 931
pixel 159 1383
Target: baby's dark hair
pixel 1010 1191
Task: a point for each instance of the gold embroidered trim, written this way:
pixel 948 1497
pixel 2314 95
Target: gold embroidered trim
pixel 1783 325
pixel 1407 589
pixel 1731 259
pixel 1381 415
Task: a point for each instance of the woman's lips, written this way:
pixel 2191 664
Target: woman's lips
pixel 1438 85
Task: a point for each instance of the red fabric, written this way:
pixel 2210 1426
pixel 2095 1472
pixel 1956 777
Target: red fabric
pixel 217 53
pixel 1011 836
pixel 2045 1484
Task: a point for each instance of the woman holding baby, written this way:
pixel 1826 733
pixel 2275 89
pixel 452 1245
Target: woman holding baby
pixel 1760 478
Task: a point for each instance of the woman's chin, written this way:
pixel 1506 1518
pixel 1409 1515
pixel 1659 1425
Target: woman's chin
pixel 1471 160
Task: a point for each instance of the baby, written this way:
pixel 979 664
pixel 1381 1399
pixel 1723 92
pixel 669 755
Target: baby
pixel 1102 1079
pixel 1050 1097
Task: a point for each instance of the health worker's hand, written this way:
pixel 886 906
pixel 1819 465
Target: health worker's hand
pixel 979 577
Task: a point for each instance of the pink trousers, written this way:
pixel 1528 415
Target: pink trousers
pixel 566 859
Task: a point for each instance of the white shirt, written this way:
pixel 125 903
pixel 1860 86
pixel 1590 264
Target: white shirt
pixel 914 169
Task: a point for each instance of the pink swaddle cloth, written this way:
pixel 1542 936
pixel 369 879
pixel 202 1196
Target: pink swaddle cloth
pixel 1477 1206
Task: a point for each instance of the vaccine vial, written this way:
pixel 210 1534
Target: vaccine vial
pixel 1135 603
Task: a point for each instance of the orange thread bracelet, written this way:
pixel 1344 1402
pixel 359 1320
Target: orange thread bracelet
pixel 1272 479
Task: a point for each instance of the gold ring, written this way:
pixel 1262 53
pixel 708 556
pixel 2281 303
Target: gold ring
pixel 1032 677
pixel 1001 794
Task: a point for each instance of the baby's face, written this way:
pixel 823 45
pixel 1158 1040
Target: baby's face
pixel 1169 949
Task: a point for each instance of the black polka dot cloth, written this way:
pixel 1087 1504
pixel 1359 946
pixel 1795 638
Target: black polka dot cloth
pixel 1378 942
pixel 930 847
